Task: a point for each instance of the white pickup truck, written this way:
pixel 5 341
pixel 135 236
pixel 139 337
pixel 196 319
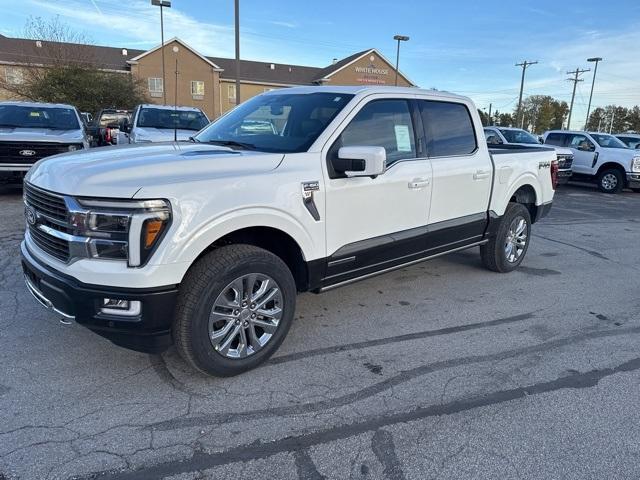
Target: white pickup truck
pixel 205 243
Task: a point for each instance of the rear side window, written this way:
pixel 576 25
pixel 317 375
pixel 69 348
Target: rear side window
pixel 381 123
pixel 449 128
pixel 556 139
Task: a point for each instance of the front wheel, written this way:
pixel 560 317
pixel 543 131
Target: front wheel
pixel 610 181
pixel 235 308
pixel 506 250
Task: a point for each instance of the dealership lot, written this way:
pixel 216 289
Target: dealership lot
pixel 439 370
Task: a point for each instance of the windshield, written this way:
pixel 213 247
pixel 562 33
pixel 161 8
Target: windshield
pixel 607 141
pixel 284 123
pixel 518 136
pixel 112 118
pixel 55 118
pixel 170 119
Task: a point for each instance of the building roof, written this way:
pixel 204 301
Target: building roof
pixel 27 51
pixel 331 69
pixel 267 72
pixel 184 44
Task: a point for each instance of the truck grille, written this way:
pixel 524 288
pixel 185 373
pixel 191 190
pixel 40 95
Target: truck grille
pixel 50 211
pixel 10 152
pixel 565 162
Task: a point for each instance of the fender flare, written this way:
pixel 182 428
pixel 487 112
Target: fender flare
pixel 525 179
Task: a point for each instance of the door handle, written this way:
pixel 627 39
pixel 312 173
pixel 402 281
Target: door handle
pixel 418 183
pixel 480 174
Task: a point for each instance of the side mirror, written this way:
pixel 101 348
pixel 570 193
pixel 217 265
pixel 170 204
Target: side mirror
pixel 124 125
pixel 493 140
pixel 361 161
pixel 637 146
pixel 586 147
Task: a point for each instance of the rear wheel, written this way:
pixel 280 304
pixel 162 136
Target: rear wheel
pixel 235 308
pixel 506 250
pixel 610 181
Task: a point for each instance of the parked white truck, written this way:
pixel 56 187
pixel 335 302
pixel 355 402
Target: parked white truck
pixel 161 123
pixel 600 157
pixel 206 243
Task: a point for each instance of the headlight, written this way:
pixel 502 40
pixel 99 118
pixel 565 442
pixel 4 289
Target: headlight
pixel 635 164
pixel 121 230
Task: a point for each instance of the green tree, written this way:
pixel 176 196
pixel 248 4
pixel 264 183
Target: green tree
pixel 542 113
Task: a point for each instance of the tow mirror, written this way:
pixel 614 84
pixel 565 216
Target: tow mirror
pixel 124 126
pixel 361 161
pixel 586 147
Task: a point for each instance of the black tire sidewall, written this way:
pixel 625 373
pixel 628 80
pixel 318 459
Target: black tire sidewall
pixel 205 356
pixel 619 177
pixel 514 210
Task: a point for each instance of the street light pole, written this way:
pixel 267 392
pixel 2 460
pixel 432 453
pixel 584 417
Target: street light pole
pixel 593 82
pixel 237 21
pixel 399 38
pixel 162 4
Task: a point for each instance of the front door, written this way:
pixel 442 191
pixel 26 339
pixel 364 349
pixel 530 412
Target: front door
pixel 375 223
pixel 584 156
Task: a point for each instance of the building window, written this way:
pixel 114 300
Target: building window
pixel 197 89
pixel 155 87
pixel 13 76
pixel 231 90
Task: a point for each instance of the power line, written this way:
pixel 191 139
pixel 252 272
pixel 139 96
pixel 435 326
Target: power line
pixel 577 72
pixel 524 66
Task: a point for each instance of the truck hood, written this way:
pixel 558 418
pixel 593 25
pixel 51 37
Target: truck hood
pixel 161 134
pixel 120 171
pixel 40 135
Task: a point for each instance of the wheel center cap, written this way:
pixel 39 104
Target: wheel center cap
pixel 245 314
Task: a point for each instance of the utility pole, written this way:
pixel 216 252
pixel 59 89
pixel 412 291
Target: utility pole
pixel 490 121
pixel 237 15
pixel 399 38
pixel 576 73
pixel 613 115
pixel 524 66
pixel 593 82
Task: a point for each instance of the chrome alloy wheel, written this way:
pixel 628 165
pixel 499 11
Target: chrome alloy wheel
pixel 516 240
pixel 609 181
pixel 245 315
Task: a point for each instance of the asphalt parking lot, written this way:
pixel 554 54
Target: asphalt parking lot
pixel 441 370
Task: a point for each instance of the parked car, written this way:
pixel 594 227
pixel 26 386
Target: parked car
pixel 500 136
pixel 205 243
pixel 158 123
pixel 631 140
pixel 31 131
pixel 105 128
pixel 600 157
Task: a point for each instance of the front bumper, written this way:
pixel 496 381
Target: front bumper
pixel 149 332
pixel 564 176
pixel 633 180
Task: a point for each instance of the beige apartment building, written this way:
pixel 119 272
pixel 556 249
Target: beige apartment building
pixel 192 79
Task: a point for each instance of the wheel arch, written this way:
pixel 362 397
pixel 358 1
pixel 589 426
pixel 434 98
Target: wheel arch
pixel 611 166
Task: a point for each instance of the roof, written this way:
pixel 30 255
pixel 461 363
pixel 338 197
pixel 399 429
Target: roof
pixel 26 51
pixel 370 89
pixel 263 72
pixel 326 71
pixel 37 104
pixel 170 107
pixel 171 40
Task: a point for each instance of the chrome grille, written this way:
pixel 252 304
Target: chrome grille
pixel 565 161
pixel 51 214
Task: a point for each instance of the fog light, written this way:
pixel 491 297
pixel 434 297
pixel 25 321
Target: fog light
pixel 117 306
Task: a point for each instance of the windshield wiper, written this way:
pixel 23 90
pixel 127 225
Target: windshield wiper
pixel 233 143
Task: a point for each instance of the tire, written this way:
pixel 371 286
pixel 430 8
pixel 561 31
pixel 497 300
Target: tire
pixel 220 328
pixel 496 255
pixel 610 181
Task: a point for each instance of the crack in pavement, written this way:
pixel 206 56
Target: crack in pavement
pixel 376 388
pixel 260 450
pixel 590 252
pixel 399 338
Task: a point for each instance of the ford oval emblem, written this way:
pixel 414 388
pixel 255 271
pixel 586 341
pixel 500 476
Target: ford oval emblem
pixel 30 213
pixel 27 153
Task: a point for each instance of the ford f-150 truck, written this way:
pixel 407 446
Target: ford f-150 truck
pixel 205 243
pixel 158 123
pixel 507 137
pixel 30 131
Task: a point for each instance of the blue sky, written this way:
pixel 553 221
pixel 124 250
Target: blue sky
pixel 466 46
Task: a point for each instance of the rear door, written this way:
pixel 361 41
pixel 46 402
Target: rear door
pixel 462 174
pixel 375 223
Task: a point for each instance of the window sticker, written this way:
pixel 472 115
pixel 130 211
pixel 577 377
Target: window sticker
pixel 34 114
pixel 403 139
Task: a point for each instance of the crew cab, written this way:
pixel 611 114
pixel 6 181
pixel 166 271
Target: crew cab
pixel 505 137
pixel 105 128
pixel 158 123
pixel 31 131
pixel 205 243
pixel 600 157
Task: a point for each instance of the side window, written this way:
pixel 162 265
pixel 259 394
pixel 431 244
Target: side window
pixel 449 128
pixel 492 137
pixel 578 141
pixel 381 123
pixel 556 139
